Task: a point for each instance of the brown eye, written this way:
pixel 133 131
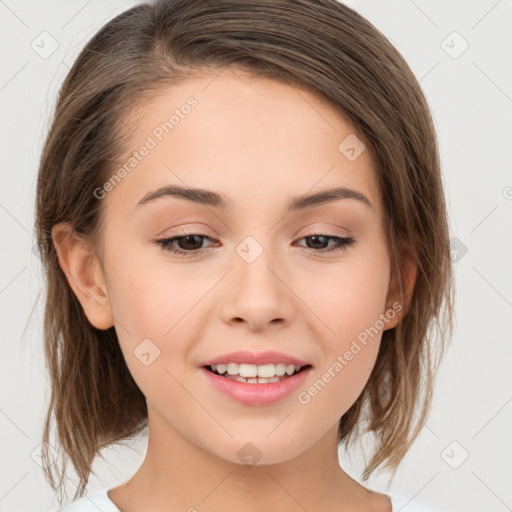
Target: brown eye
pixel 191 244
pixel 319 242
pixel 187 245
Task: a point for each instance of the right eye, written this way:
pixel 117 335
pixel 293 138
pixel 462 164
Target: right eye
pixel 190 241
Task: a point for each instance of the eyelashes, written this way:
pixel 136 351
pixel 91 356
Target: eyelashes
pixel 169 244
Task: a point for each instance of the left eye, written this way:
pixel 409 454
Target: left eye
pixel 191 243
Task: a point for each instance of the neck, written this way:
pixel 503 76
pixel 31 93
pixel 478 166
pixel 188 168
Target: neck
pixel 176 474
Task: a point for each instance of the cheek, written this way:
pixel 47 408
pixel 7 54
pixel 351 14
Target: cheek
pixel 349 297
pixel 155 307
pixel 151 298
pixel 350 307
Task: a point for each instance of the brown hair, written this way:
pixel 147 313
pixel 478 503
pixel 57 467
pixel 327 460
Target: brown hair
pixel 319 45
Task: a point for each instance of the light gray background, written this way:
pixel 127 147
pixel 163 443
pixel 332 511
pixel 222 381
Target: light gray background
pixel 471 98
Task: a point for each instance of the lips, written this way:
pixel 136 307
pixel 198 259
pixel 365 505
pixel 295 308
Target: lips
pixel 256 394
pixel 255 358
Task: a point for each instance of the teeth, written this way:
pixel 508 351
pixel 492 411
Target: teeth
pixel 252 372
pixel 254 380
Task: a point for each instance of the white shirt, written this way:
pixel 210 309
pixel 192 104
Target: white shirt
pixel 99 500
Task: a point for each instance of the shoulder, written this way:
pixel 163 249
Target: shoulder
pixel 400 504
pixel 92 502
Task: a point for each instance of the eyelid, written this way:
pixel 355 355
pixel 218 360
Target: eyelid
pixel 323 226
pixel 327 232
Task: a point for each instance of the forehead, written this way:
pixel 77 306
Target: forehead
pixel 253 138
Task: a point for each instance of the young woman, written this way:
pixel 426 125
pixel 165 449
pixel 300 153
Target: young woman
pixel 241 217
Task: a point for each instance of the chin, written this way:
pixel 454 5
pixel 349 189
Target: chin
pixel 251 452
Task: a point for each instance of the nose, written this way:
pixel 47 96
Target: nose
pixel 257 294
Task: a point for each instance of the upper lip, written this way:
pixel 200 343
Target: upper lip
pixel 256 358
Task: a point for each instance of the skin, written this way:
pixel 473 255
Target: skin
pixel 259 142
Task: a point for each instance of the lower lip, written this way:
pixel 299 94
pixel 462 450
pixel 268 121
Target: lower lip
pixel 256 394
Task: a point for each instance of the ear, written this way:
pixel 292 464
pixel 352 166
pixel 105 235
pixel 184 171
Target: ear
pixel 409 273
pixel 84 273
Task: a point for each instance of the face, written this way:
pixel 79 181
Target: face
pixel 311 282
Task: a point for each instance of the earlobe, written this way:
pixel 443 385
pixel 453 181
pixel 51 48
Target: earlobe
pixel 84 274
pixel 409 273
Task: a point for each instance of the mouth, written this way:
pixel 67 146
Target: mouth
pixel 266 374
pixel 257 386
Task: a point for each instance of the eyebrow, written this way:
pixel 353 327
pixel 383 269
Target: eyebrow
pixel 216 200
